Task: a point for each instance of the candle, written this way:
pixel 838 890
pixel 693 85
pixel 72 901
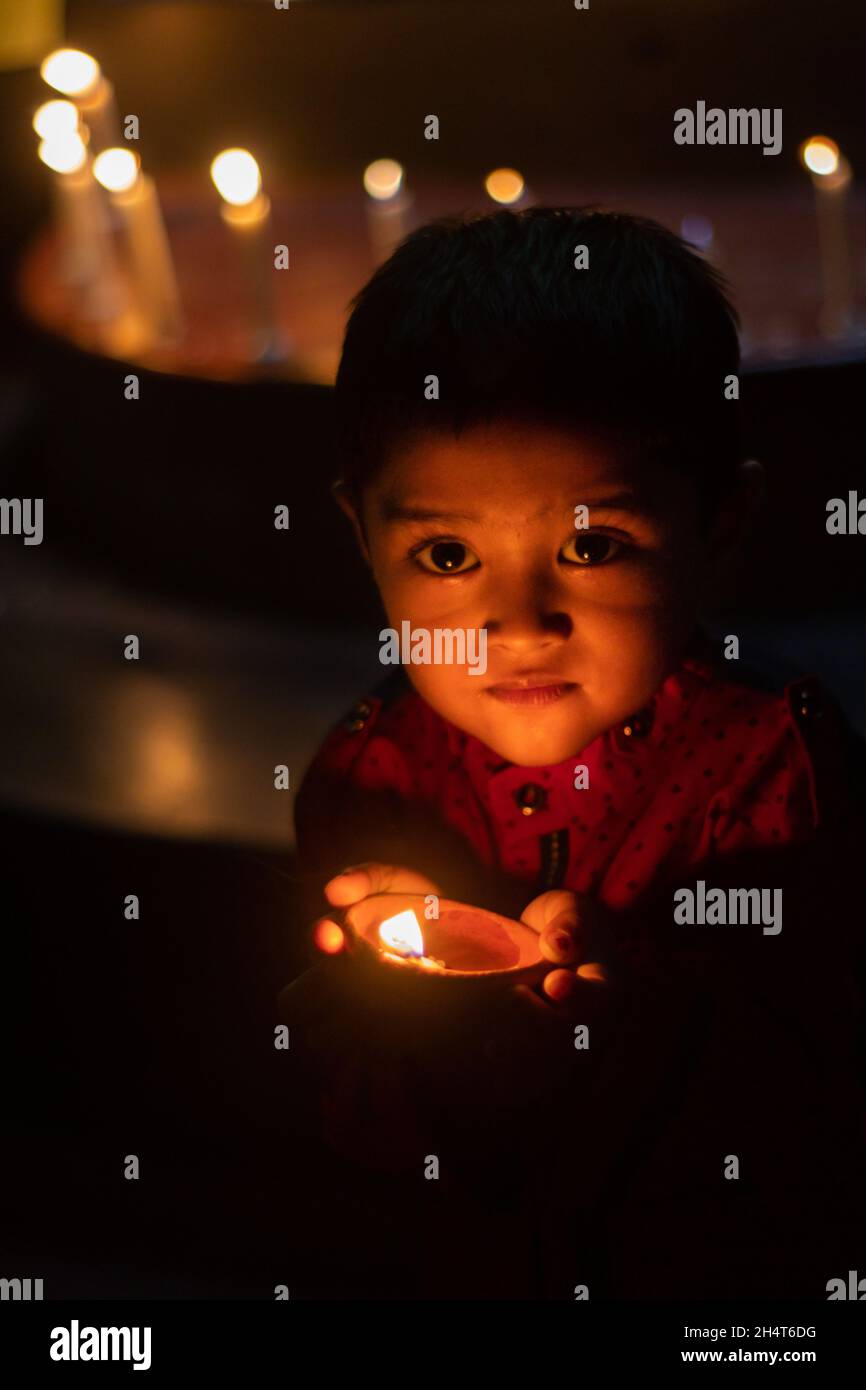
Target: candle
pixel 831 178
pixel 78 75
pixel 55 119
pixel 506 187
pixel 134 197
pixel 88 261
pixel 246 212
pixel 387 206
pixel 462 946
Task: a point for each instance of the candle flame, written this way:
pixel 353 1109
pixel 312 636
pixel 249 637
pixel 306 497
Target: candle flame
pixel 116 169
pixel 64 154
pixel 504 185
pixel 70 71
pixel 237 176
pixel 54 119
pixel 403 934
pixel 820 155
pixel 383 179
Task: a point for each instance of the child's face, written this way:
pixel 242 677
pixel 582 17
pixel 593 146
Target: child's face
pixel 582 624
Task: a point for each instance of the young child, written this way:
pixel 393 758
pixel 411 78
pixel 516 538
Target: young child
pixel 542 445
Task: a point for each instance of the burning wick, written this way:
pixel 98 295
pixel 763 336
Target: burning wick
pixel 402 933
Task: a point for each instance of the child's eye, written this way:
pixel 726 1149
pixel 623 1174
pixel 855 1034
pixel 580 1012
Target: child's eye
pixel 594 548
pixel 446 557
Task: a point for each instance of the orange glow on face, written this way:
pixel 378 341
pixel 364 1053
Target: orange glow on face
pixel 402 934
pixel 329 938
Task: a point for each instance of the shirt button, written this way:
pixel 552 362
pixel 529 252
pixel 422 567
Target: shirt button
pixel 808 705
pixel 639 725
pixel 531 798
pixel 359 716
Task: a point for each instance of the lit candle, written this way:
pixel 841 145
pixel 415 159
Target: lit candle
pixel 506 187
pixel 134 197
pixel 246 212
pixel 79 76
pixel 387 206
pixel 88 261
pixel 54 119
pixel 831 178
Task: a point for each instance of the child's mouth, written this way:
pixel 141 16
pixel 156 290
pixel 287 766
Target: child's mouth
pixel 532 691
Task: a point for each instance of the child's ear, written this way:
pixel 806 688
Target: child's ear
pixel 738 509
pixel 348 502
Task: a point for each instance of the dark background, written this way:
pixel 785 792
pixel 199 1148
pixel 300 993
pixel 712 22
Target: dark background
pixel 155 1037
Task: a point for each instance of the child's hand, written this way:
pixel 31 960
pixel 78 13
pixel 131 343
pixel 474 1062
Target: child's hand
pixel 531 1043
pixel 365 880
pixel 561 921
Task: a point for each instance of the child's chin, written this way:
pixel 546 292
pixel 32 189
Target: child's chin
pixel 535 747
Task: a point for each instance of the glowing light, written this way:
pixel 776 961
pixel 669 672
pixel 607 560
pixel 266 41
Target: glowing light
pixel 504 185
pixel 698 230
pixel 70 71
pixel 65 154
pixel 237 176
pixel 54 119
pixel 329 938
pixel 820 155
pixel 116 169
pixel 403 934
pixel 383 179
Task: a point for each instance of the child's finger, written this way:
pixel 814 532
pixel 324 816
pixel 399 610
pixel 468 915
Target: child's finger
pixel 542 910
pixel 348 887
pixel 561 986
pixel 560 939
pixel 365 880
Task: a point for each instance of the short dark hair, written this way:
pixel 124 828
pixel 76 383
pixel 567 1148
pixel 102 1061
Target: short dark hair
pixel 639 343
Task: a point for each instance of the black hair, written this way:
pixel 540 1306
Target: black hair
pixel 639 342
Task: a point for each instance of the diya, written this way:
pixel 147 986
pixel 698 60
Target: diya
pixel 433 951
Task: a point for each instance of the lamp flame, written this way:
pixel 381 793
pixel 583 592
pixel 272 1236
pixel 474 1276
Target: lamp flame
pixel 820 155
pixel 70 71
pixel 237 176
pixel 505 186
pixel 403 934
pixel 116 169
pixel 383 179
pixel 65 155
pixel 54 119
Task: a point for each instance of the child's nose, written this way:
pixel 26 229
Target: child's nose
pixel 527 627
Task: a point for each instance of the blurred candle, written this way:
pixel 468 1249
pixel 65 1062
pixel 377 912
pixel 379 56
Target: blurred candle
pixel 79 76
pixel 134 197
pixel 54 119
pixel 506 187
pixel 387 206
pixel 830 173
pixel 246 212
pixel 88 261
